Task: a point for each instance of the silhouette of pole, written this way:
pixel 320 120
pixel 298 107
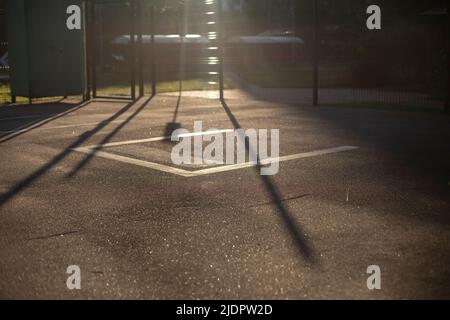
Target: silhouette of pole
pixel 153 48
pixel 89 51
pixel 221 52
pixel 139 8
pixel 316 55
pixel 133 49
pixel 447 102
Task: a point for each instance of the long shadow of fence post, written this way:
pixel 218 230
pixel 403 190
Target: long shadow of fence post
pixel 305 248
pixel 43 122
pixel 108 137
pixel 20 186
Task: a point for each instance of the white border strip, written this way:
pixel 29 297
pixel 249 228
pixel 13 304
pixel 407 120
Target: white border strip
pixel 188 174
pixel 117 144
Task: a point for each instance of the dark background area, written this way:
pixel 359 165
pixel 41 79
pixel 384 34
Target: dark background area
pixel 3 37
pixel 404 63
pixel 409 54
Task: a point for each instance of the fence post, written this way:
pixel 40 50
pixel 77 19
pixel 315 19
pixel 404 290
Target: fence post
pixel 447 102
pixel 221 48
pixel 27 43
pixel 140 49
pixel 153 48
pixel 93 49
pixel 133 49
pixel 88 48
pixel 316 55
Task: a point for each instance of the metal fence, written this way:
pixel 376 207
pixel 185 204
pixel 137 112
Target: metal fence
pixel 4 66
pixel 301 51
pixel 273 48
pixel 165 45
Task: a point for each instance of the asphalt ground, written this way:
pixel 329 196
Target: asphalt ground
pixel 137 232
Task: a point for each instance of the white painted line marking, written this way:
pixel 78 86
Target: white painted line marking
pixel 188 174
pixel 117 144
pixel 141 163
pixel 205 133
pixel 274 160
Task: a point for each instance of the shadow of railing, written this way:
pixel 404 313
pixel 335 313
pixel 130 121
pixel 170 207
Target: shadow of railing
pixel 23 184
pixel 51 112
pixel 107 138
pixel 305 248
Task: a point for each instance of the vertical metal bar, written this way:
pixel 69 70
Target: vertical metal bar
pixel 133 49
pixel 447 102
pixel 87 48
pixel 100 35
pixel 27 48
pixel 140 49
pixel 221 30
pixel 62 55
pixel 183 33
pixel 93 50
pixel 316 55
pixel 153 49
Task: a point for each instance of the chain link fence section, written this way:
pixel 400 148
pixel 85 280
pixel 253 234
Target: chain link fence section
pixel 271 47
pixel 4 66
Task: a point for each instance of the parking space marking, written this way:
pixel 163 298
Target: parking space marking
pixel 93 150
pixel 156 139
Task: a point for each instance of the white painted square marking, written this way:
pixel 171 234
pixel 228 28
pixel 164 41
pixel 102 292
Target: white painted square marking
pixel 95 150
